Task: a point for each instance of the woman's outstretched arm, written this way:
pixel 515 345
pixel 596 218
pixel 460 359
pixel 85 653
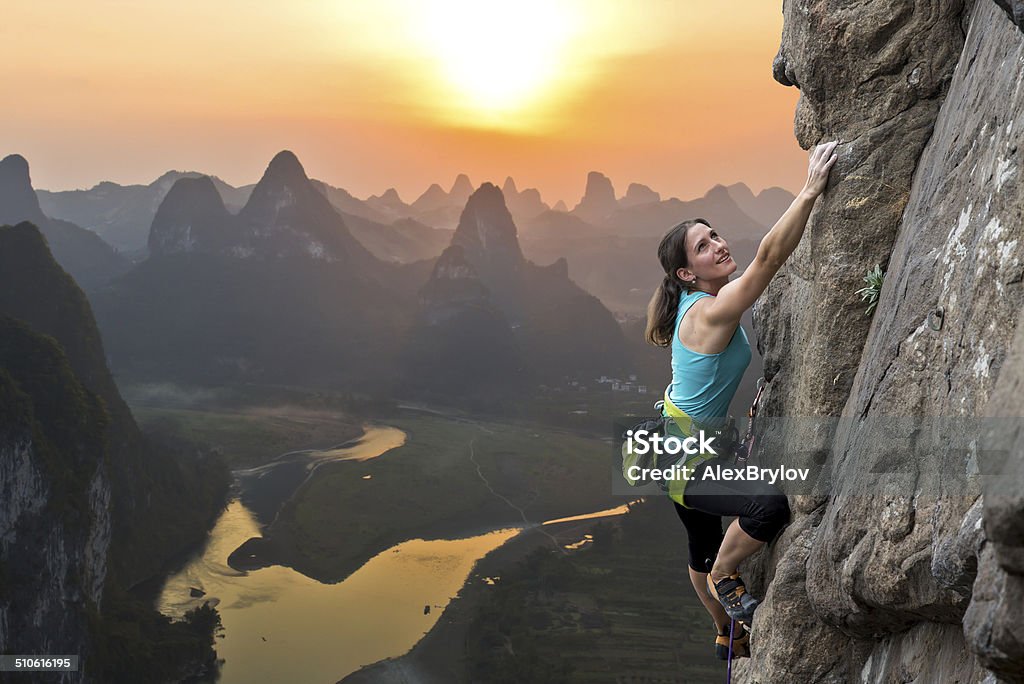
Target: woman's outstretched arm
pixel 740 294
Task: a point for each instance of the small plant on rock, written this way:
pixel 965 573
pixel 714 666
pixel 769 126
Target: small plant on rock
pixel 869 294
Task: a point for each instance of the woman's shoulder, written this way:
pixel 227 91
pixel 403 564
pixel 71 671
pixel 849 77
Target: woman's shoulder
pixel 691 297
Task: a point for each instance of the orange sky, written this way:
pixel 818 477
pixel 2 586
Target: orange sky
pixel 670 93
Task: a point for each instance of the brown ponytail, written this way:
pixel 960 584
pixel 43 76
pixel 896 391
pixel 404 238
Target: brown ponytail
pixel 664 304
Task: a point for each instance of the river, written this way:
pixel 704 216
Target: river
pixel 281 625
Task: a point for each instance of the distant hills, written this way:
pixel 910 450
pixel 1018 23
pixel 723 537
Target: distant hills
pixel 283 291
pixel 595 237
pixel 90 260
pixel 294 280
pixel 396 231
pixel 506 318
pixel 611 245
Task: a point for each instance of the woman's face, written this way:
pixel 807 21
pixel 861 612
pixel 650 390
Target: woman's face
pixel 708 256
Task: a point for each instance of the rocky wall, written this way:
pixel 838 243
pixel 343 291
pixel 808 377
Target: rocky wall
pixel 874 578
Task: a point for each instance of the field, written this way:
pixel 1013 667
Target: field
pixel 453 477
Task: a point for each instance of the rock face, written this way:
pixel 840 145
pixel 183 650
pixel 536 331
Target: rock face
pixel 55 523
pixel 453 284
pixel 89 506
pixel 914 576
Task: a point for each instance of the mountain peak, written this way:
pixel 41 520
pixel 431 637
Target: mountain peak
pixel 191 216
pixel 637 194
pixel 598 199
pixel 434 198
pixel 461 184
pixel 509 188
pixel 719 192
pixel 285 165
pixel 18 201
pixel 461 190
pixel 486 230
pixel 14 165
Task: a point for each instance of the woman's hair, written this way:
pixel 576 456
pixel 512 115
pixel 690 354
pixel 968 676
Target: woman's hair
pixel 662 309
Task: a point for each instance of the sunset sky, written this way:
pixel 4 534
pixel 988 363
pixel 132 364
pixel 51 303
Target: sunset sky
pixel 677 95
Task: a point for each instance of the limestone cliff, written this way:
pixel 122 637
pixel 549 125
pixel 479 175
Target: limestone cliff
pixel 55 525
pixel 915 577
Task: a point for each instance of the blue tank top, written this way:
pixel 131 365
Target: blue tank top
pixel 703 385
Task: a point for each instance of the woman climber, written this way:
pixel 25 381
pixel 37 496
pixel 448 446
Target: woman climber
pixel 696 310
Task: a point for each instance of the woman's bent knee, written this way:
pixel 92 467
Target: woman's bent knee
pixel 767 516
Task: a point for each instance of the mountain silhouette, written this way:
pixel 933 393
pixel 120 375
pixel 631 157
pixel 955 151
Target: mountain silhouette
pixel 123 214
pixel 766 207
pixel 285 216
pixel 638 194
pixel 598 200
pixel 462 188
pixel 543 313
pixel 89 260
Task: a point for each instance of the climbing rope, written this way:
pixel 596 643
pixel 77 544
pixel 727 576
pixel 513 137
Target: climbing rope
pixel 728 670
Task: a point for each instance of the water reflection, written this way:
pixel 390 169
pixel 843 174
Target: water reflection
pixel 280 625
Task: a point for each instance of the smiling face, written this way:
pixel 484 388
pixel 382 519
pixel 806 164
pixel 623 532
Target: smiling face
pixel 709 260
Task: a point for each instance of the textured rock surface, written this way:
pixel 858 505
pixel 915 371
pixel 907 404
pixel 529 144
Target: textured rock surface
pixel 55 526
pixel 870 75
pixel 887 571
pixel 992 622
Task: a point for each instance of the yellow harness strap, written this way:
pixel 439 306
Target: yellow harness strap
pixel 688 427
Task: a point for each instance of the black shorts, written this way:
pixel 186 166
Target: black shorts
pixel 762 509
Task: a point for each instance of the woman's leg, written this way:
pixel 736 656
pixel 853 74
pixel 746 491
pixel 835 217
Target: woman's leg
pixel 736 546
pixel 704 536
pixel 761 511
pixel 699 580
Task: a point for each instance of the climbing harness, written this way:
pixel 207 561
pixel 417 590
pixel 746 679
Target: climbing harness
pixel 674 422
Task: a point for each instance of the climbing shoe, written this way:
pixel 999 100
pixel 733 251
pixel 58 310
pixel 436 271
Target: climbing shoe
pixel 740 643
pixel 732 594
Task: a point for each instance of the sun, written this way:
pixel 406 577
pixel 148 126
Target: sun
pixel 496 59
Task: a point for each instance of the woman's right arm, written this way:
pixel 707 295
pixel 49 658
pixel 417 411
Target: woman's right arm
pixel 740 294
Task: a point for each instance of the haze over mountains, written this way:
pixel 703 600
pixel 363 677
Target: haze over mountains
pixel 596 237
pixel 282 291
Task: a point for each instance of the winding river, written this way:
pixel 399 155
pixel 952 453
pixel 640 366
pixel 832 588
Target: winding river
pixel 280 625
